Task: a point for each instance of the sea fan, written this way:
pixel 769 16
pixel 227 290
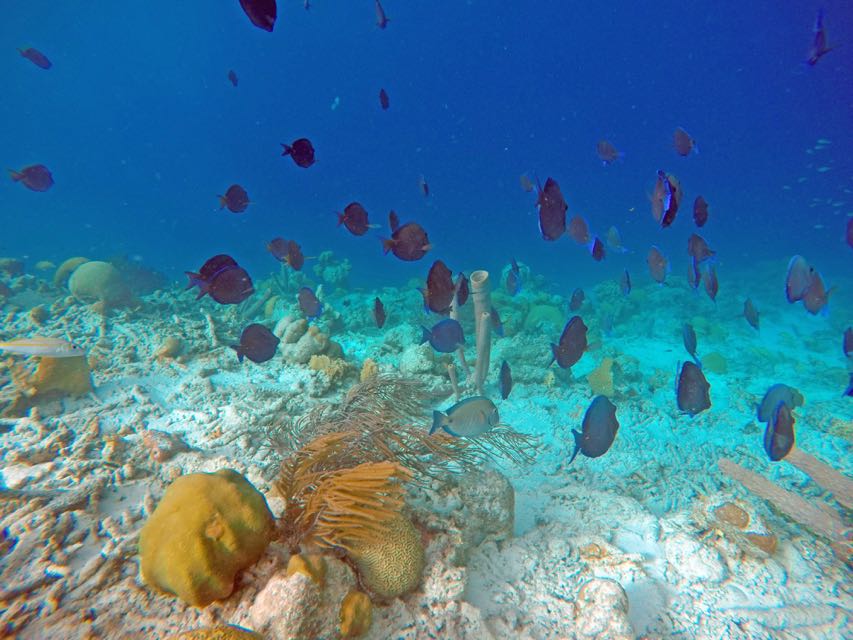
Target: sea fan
pixel 331 506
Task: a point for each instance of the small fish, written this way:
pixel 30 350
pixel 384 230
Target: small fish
pixel 700 211
pixel 257 343
pixel 462 290
pixel 43 347
pixel 301 150
pixel 847 344
pixel 572 344
pixel 262 13
pixel 607 153
pixel 625 283
pixel 423 186
pixel 467 418
pixel 688 334
pixel 36 57
pixel 596 249
pixel 779 434
pixel 232 78
pixel 384 102
pixel 552 210
pixel 819 47
pixel 797 279
pixel 577 299
pixel 354 218
pixel 287 251
pixel 235 198
pixel 692 390
pixel 526 183
pixel 440 289
pixel 579 229
pixel 309 304
pixel 658 265
pixel 35 177
pixel 497 323
pixel 381 18
pixel 506 380
pixel 408 242
pixel 222 279
pixel 750 313
pixel 378 313
pixel 683 143
pixel 712 285
pixel 445 336
pixel 598 430
pixel 774 395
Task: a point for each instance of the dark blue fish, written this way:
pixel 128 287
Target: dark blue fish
pixel 625 283
pixel 779 434
pixel 598 430
pixel 689 336
pixel 257 343
pixel 506 380
pixel 572 343
pixel 445 336
pixel 309 303
pixel 513 279
pixel 849 391
pixel 819 47
pixel 692 390
pixel 497 323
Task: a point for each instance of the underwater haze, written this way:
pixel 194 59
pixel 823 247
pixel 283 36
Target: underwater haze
pixel 514 319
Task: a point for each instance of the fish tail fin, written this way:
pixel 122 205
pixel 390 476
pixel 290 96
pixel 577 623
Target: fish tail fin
pixel 286 149
pixel 387 245
pixel 437 421
pixel 427 334
pixel 697 361
pixel 222 201
pixel 239 351
pixel 578 435
pixel 340 218
pixel 197 281
pixel 553 354
pixel 15 175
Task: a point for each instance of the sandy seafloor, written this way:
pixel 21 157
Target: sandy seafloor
pixel 625 545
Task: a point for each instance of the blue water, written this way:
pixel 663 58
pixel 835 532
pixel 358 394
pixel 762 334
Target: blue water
pixel 142 130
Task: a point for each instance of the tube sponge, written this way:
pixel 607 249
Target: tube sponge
pixel 206 528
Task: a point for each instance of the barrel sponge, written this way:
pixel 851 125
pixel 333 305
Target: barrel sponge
pixel 207 527
pixel 393 564
pixel 98 281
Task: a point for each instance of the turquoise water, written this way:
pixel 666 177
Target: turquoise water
pixel 142 129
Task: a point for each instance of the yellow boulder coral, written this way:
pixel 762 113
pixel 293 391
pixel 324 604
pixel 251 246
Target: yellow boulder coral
pixel 334 368
pixel 311 565
pixel 393 564
pixel 98 281
pixel 207 528
pixel 356 614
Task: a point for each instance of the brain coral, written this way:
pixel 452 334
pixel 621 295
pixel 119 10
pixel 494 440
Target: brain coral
pixel 64 271
pixel 98 281
pixel 227 632
pixel 393 565
pixel 207 527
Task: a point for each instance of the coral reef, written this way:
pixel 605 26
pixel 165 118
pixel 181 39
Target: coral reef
pixel 53 378
pixel 300 341
pixel 369 369
pixel 335 369
pixel 206 528
pixel 601 611
pixel 225 632
pixel 392 565
pixel 331 270
pixel 601 378
pixel 312 565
